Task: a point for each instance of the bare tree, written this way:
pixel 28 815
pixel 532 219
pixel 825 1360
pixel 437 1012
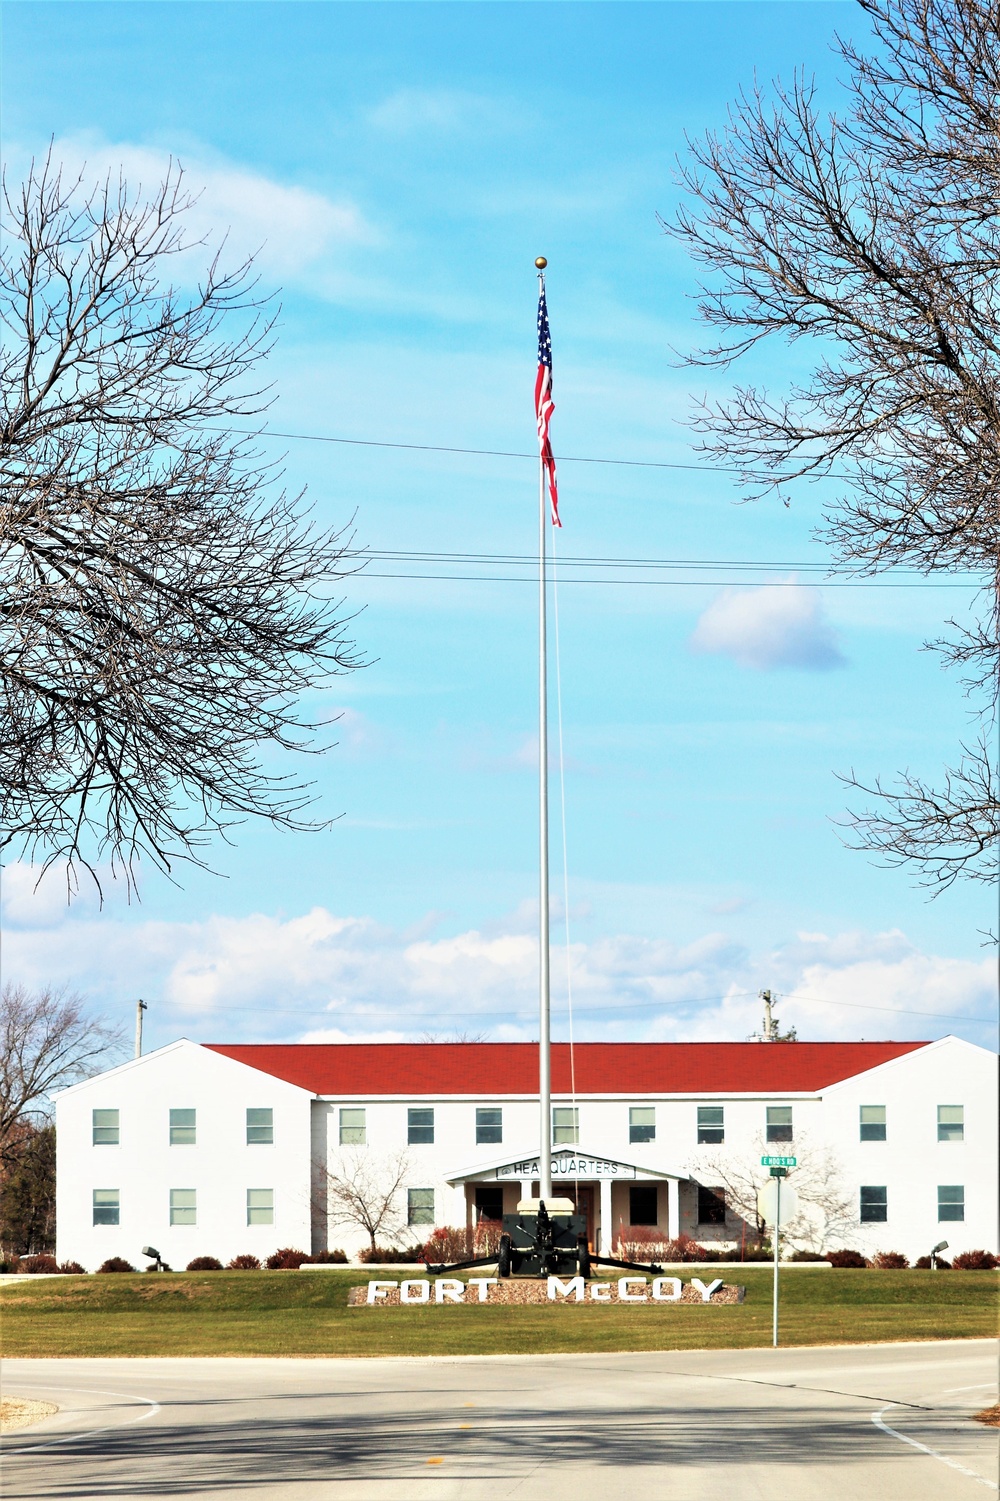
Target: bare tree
pixel 366 1191
pixel 47 1041
pixel 876 235
pixel 163 612
pixel 827 1210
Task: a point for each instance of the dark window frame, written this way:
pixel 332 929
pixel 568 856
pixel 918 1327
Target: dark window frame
pixel 643 1194
pixel 873 1204
pixel 712 1206
pixel 420 1133
pixel 489 1133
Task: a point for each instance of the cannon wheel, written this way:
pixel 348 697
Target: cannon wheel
pixel 582 1256
pixel 504 1258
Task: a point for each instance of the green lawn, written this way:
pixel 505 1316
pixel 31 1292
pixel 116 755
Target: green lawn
pixel 305 1313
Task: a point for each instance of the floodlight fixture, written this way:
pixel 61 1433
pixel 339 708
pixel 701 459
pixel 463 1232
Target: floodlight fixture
pixel 155 1255
pixel 942 1245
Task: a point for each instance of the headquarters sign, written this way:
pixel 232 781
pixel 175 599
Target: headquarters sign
pixel 568 1165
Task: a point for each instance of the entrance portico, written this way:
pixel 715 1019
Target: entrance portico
pixel 494 1188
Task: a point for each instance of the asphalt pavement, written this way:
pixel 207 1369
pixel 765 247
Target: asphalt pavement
pixel 877 1422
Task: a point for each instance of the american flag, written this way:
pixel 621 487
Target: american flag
pixel 544 405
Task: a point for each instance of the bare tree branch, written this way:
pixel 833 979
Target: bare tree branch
pixel 47 1042
pixel 877 237
pixel 366 1191
pixel 162 613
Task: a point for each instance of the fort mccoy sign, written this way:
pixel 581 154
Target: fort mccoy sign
pixel 445 1292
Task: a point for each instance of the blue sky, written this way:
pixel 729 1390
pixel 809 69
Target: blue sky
pixel 401 166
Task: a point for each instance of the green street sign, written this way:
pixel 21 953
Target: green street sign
pixel 778 1161
pixel 779 1172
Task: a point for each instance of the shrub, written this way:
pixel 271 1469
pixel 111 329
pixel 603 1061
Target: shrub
pixel 204 1264
pixel 72 1268
pixel 326 1258
pixel 647 1243
pixel 245 1263
pixel 38 1264
pixel 846 1258
pixel 966 1261
pixel 808 1256
pixel 286 1260
pixel 454 1243
pixel 889 1261
pixel 116 1264
pixel 923 1262
pixel 383 1255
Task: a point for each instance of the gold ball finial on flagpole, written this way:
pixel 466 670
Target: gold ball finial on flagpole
pixel 541 262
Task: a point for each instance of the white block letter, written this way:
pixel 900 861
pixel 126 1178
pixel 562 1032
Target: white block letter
pixel 423 1290
pixel 600 1292
pixel 624 1296
pixel 560 1289
pixel 375 1290
pixel 673 1296
pixel 706 1292
pixel 448 1290
pixel 483 1284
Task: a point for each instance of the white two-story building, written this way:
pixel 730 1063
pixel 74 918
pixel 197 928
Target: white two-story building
pixel 221 1150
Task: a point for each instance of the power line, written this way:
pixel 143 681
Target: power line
pixel 497 453
pixel 493 578
pixel 619 1006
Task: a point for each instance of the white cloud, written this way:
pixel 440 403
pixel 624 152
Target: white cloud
pixel 298 233
pixel 778 625
pixel 317 975
pixel 408 111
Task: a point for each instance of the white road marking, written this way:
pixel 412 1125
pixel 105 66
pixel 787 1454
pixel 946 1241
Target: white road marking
pixel 152 1408
pixel 952 1464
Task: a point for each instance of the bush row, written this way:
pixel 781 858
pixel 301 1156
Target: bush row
pixel 966 1261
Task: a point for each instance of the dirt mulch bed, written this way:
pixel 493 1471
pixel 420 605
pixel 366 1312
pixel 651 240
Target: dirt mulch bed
pixel 990 1416
pixel 527 1290
pixel 19 1412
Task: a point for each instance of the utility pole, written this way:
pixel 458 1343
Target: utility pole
pixel 140 1007
pixel 770 1025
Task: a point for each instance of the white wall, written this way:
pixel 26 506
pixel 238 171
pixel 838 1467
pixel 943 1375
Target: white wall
pixel 911 1163
pixel 144 1167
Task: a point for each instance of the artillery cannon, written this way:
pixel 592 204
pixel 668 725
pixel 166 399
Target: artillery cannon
pixel 546 1237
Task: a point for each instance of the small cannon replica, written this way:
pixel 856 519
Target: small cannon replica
pixel 545 1237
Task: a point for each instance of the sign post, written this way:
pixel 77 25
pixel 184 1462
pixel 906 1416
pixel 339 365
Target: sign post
pixel 776 1210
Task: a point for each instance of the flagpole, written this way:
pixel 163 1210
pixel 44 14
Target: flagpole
pixel 544 1025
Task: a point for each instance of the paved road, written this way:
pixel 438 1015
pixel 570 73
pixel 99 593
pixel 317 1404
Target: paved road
pixel 883 1423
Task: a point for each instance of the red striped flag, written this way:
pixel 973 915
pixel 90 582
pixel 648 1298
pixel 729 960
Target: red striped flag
pixel 544 405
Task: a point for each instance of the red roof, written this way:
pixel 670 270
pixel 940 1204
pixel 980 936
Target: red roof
pixel 363 1070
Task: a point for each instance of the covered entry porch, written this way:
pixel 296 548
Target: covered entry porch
pixel 615 1196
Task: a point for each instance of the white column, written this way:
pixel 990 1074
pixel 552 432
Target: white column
pixel 525 1188
pixel 606 1223
pixel 672 1187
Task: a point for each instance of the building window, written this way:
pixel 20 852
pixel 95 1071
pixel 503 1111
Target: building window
pixel 951 1123
pixel 873 1123
pixel 182 1128
pixel 489 1125
pixel 353 1131
pixel 711 1205
pixel 105 1128
pixel 779 1122
pixel 489 1201
pixel 420 1130
pixel 260 1206
pixel 183 1206
pixel 711 1126
pixel 260 1127
pixel 565 1126
pixel 420 1206
pixel 951 1201
pixel 874 1205
pixel 107 1206
pixel 642 1204
pixel 641 1127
